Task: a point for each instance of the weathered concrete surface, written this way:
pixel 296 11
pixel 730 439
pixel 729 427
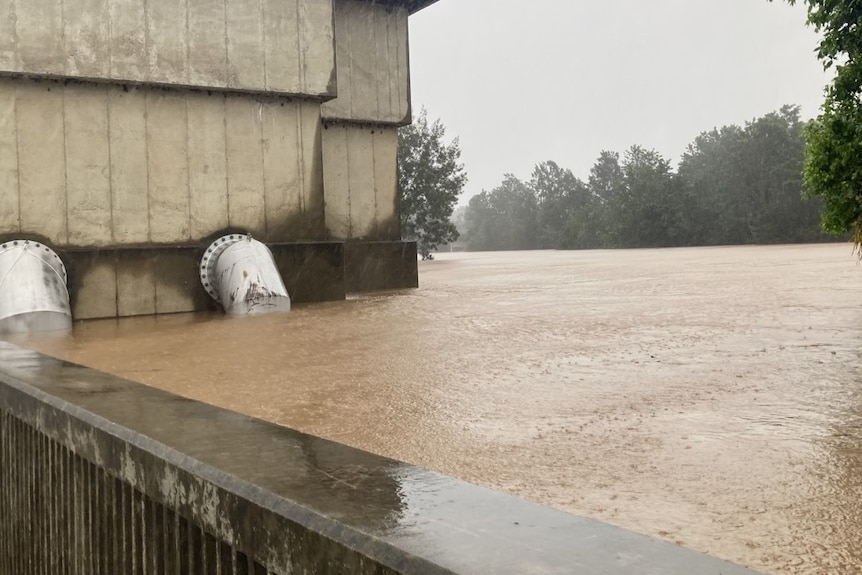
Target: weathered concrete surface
pixel 208 183
pixel 167 167
pixel 87 38
pixel 88 167
pixel 130 211
pixel 136 285
pixel 175 282
pixel 97 165
pixel 387 199
pixel 245 164
pixel 293 504
pixel 311 272
pixel 361 182
pixel 336 182
pixel 371 266
pixel 39 35
pixel 96 290
pixel 9 213
pixel 360 173
pixel 372 64
pixel 128 49
pixel 208 58
pixel 41 193
pixel 199 43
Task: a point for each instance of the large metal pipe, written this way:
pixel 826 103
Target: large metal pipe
pixel 240 273
pixel 33 293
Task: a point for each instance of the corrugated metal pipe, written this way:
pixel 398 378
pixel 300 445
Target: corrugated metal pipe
pixel 33 293
pixel 240 273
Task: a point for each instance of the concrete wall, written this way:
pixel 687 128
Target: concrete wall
pixel 120 282
pixel 360 179
pixel 159 123
pixel 372 64
pixel 360 142
pixel 258 45
pixel 99 165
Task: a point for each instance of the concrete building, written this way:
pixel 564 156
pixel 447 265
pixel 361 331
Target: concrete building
pixel 132 132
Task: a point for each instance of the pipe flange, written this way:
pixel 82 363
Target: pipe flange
pixel 210 258
pixel 43 251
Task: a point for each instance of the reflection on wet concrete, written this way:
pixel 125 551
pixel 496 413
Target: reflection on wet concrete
pixel 709 397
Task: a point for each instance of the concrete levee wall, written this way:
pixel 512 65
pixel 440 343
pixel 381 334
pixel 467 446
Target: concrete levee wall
pixel 361 182
pixel 372 64
pixel 97 165
pixel 257 45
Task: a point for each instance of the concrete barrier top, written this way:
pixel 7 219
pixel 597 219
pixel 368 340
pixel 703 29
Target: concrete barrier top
pixel 405 518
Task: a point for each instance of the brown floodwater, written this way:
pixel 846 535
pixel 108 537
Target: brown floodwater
pixel 706 396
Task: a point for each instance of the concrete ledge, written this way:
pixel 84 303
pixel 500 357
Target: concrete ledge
pixel 177 87
pixel 279 499
pixel 370 266
pixel 128 281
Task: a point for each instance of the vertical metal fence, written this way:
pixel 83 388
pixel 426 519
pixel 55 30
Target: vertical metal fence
pixel 62 514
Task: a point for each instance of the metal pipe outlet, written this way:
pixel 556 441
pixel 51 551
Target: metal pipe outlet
pixel 33 293
pixel 240 274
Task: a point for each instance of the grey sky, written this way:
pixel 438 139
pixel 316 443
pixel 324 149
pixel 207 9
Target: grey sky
pixel 522 82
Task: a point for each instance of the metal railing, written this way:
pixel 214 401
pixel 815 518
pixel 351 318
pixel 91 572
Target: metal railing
pixel 83 494
pixel 64 514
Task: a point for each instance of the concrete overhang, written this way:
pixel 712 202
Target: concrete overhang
pixel 412 6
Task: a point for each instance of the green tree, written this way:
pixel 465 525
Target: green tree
pixel 560 196
pixel 710 173
pixel 595 227
pixel 430 179
pixel 746 183
pixel 504 218
pixel 585 228
pixel 606 176
pixel 775 151
pixel 833 163
pixel 481 221
pixel 648 210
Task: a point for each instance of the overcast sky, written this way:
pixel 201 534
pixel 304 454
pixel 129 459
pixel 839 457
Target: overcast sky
pixel 523 81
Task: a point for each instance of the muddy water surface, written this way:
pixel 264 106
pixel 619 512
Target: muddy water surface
pixel 707 396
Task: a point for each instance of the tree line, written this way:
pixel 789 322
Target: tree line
pixel 734 185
